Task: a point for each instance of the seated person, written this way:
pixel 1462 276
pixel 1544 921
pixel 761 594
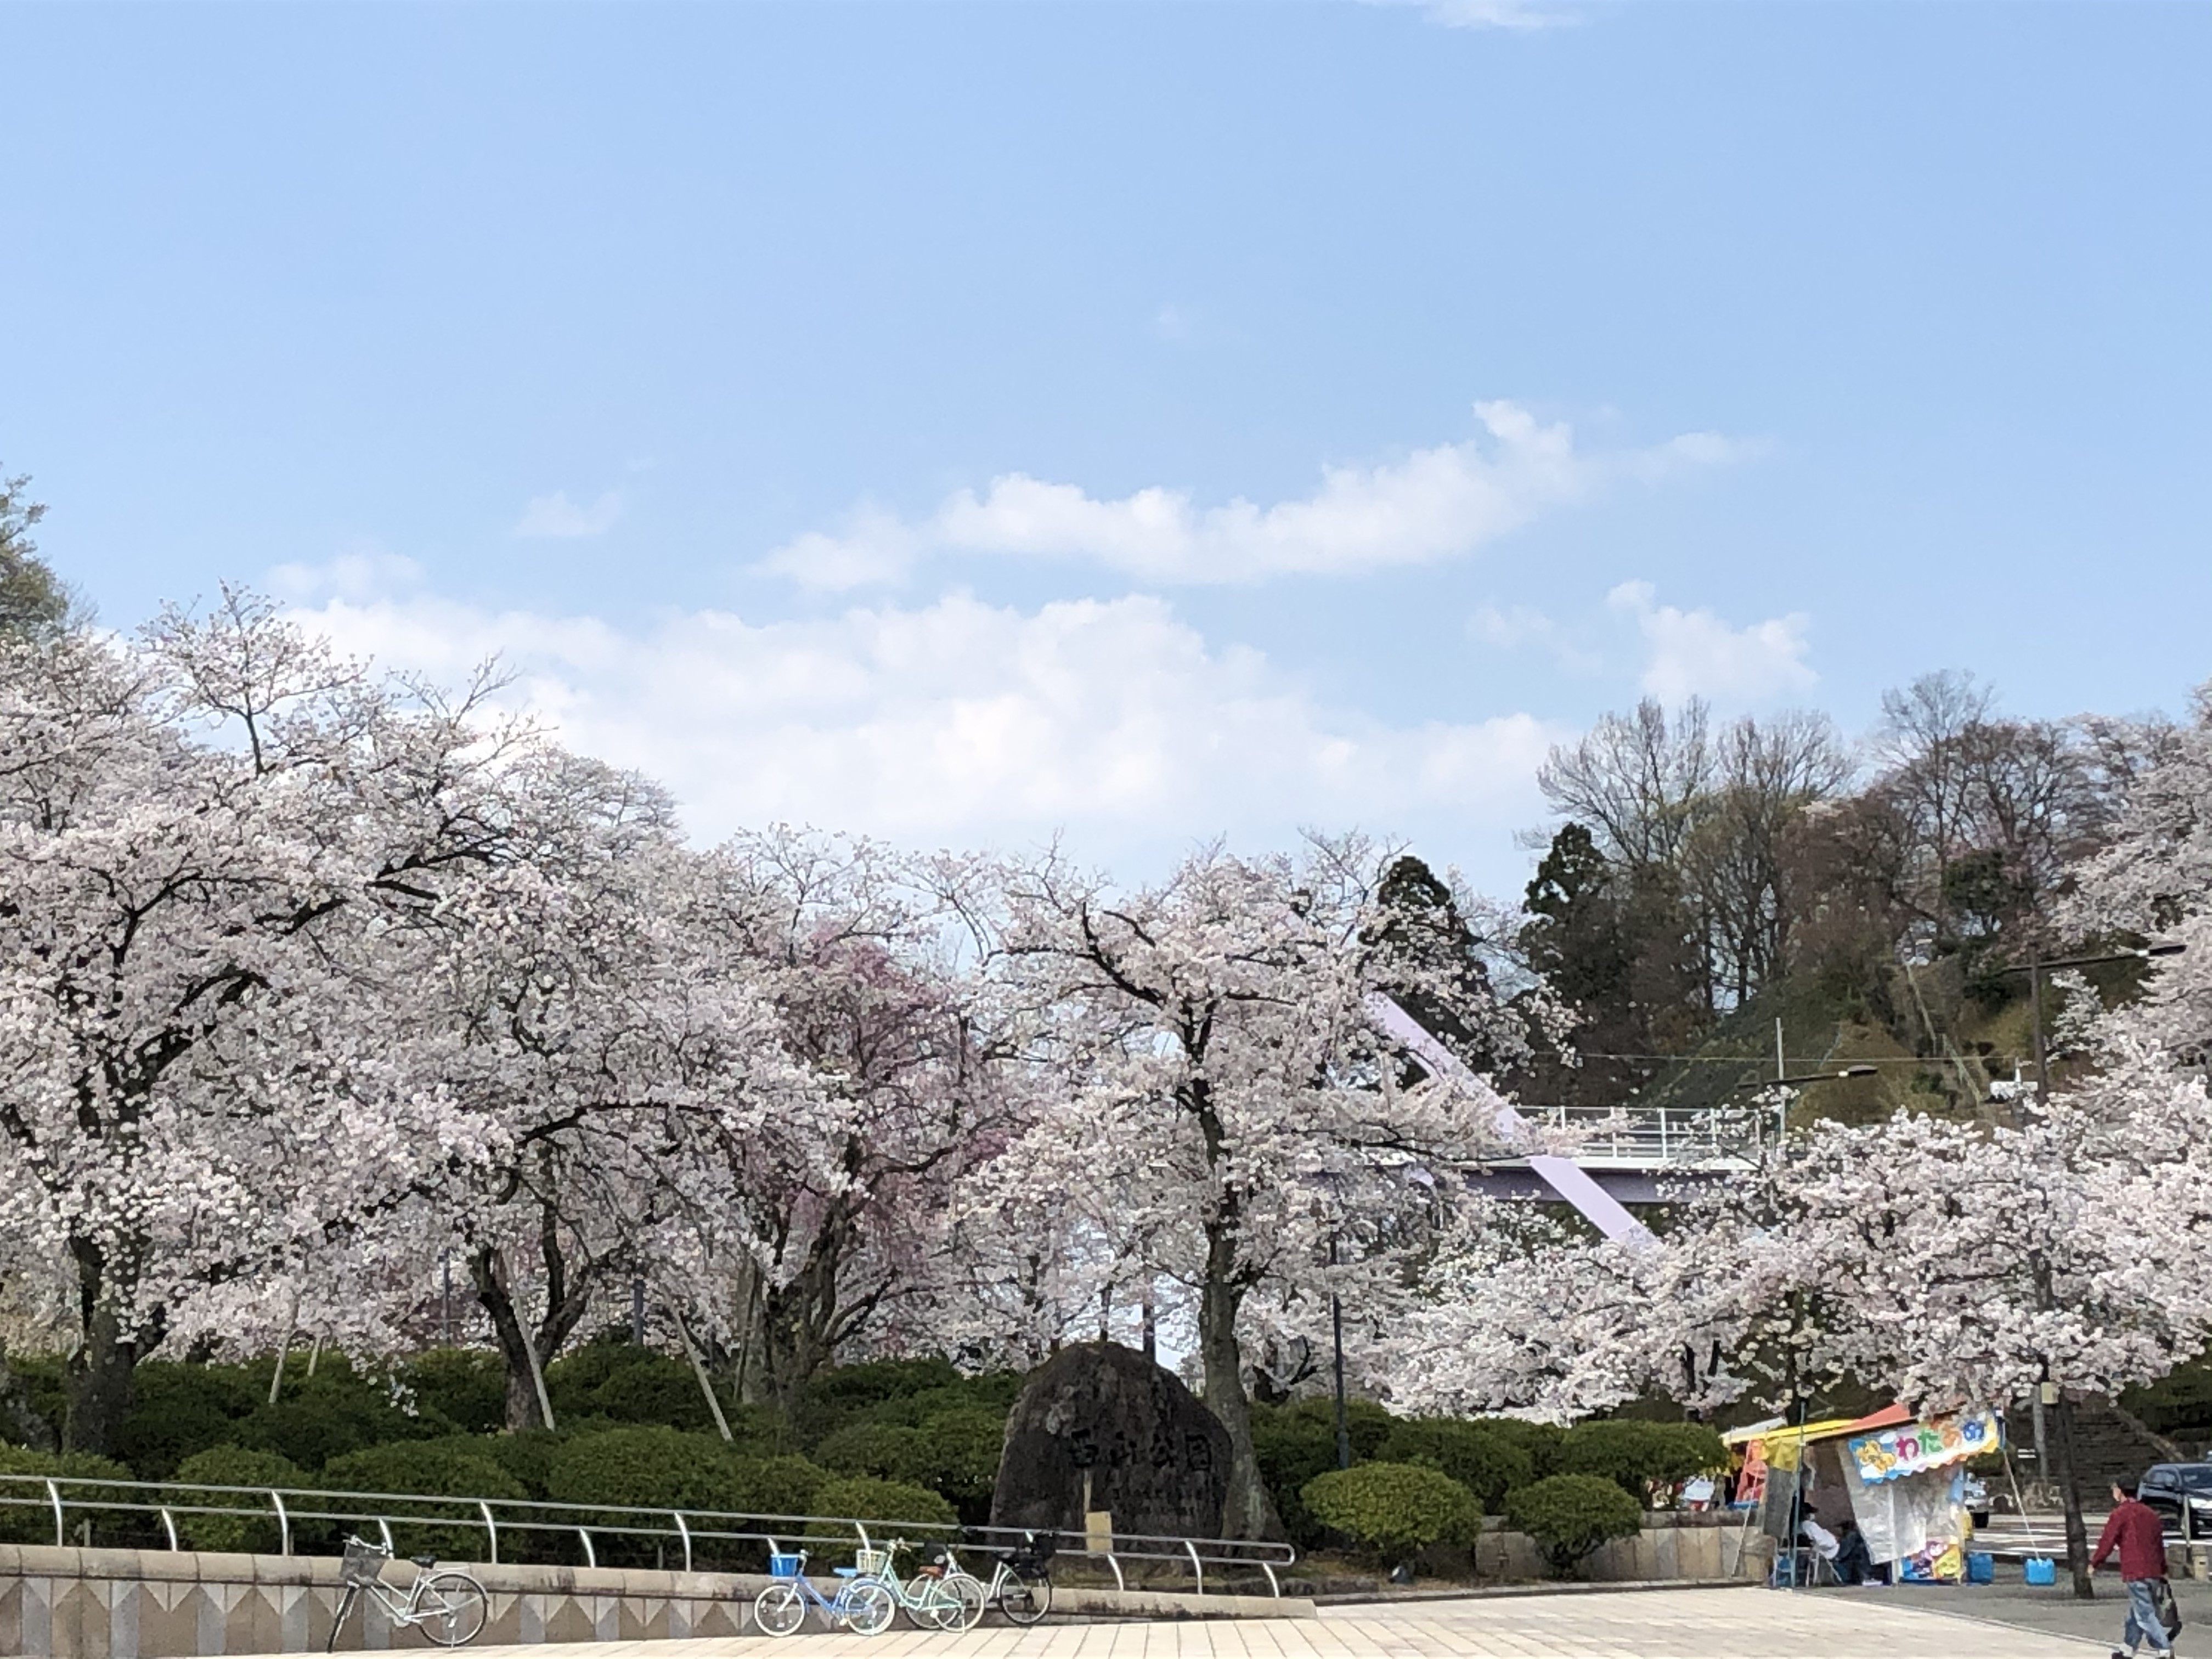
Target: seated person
pixel 1854 1560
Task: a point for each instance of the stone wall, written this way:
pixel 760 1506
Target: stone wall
pixel 151 1604
pixel 1687 1546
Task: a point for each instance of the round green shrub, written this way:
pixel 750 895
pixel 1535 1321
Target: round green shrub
pixel 885 1503
pixel 884 1450
pixel 1636 1456
pixel 1291 1449
pixel 837 1397
pixel 336 1411
pixel 429 1469
pixel 957 1453
pixel 1570 1516
pixel 178 1408
pixel 1487 1463
pixel 1366 1424
pixel 1396 1510
pixel 1539 1442
pixel 655 1468
pixel 465 1386
pixel 781 1486
pixel 35 1524
pixel 629 1384
pixel 235 1465
pixel 526 1454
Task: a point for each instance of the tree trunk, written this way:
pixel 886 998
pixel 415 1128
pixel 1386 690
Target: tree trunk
pixel 2069 1497
pixel 1247 1511
pixel 101 1371
pixel 526 1354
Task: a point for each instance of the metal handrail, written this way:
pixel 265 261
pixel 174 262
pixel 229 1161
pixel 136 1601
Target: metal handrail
pixel 291 1505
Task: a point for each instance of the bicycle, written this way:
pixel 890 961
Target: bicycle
pixel 449 1606
pixel 1018 1585
pixel 780 1609
pixel 940 1596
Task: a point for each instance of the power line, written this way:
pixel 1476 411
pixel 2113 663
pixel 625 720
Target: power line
pixel 1768 1060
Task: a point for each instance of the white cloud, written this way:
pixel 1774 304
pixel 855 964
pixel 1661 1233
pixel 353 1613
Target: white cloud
pixel 555 515
pixel 1523 626
pixel 363 574
pixel 1695 653
pixel 1517 15
pixel 961 722
pixel 1438 503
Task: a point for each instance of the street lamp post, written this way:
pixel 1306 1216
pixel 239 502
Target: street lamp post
pixel 1783 1085
pixel 2050 1397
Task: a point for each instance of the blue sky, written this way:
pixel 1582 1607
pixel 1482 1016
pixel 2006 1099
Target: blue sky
pixel 1141 421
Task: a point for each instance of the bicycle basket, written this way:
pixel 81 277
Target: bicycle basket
pixel 364 1565
pixel 869 1562
pixel 783 1566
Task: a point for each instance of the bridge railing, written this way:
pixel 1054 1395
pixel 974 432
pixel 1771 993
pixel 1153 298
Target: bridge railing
pixel 1651 1137
pixel 302 1514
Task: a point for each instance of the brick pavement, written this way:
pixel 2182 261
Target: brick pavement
pixel 1686 1623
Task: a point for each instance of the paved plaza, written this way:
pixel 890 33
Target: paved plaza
pixel 1686 1624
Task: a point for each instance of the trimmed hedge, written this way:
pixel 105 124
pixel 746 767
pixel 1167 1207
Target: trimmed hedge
pixel 783 1485
pixel 236 1466
pixel 656 1468
pixel 1540 1443
pixel 1487 1463
pixel 467 1387
pixel 1636 1456
pixel 885 1450
pixel 36 1525
pixel 1570 1516
pixel 431 1468
pixel 1394 1509
pixel 863 1498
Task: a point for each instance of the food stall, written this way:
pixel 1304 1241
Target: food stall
pixel 1896 1479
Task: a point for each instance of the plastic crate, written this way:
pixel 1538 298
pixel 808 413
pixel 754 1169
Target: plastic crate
pixel 780 1565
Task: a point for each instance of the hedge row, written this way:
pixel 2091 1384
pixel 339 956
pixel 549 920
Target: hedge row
pixel 1490 1457
pixel 1395 1511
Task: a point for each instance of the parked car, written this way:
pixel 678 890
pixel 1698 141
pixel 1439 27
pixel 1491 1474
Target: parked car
pixel 2171 1488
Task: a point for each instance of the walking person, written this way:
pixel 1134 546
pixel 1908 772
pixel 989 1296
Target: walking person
pixel 2134 1528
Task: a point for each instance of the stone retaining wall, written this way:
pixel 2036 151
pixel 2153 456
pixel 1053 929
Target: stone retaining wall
pixel 151 1604
pixel 1692 1547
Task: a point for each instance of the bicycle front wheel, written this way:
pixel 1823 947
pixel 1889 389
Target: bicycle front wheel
pixel 450 1606
pixel 867 1607
pixel 779 1609
pixel 968 1592
pixel 927 1606
pixel 1025 1600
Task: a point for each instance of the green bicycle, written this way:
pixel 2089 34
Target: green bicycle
pixel 940 1597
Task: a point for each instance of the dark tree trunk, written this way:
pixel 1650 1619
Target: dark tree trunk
pixel 2069 1499
pixel 1247 1510
pixel 524 1351
pixel 101 1371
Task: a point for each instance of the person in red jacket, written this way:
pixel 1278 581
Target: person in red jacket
pixel 2135 1529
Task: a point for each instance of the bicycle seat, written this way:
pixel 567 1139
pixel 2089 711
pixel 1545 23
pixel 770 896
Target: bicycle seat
pixel 425 1562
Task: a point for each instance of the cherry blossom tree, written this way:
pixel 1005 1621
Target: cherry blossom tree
pixel 1227 1103
pixel 203 1077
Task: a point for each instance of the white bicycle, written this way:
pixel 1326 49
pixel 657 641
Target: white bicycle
pixel 449 1606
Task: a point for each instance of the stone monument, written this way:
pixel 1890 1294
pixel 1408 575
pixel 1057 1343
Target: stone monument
pixel 1100 1428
